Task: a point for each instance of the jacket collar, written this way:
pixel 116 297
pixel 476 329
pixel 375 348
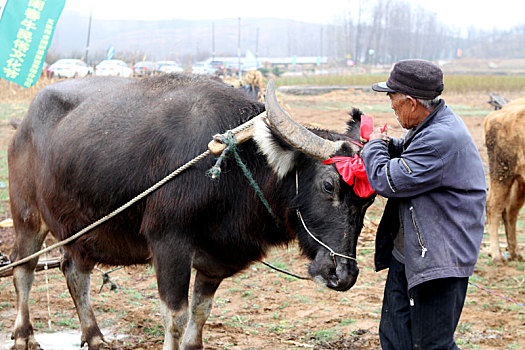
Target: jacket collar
pixel 412 132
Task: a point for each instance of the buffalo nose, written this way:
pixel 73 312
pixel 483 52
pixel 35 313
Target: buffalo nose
pixel 343 278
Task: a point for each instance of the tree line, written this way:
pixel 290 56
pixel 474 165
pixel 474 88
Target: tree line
pixel 396 30
pixel 379 32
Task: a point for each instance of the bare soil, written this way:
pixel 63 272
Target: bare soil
pixel 263 309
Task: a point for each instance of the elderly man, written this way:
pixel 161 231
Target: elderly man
pixel 431 230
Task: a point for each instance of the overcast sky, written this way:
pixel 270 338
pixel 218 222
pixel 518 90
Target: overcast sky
pixel 486 14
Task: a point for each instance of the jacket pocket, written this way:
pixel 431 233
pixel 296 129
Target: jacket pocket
pixel 418 232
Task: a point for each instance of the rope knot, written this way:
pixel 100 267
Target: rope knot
pixel 231 144
pixel 231 148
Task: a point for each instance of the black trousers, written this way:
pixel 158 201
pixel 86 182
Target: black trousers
pixel 424 317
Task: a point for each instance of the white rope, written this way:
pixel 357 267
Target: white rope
pixel 321 243
pixel 310 233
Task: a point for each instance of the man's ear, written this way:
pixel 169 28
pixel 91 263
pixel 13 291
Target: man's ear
pixel 413 103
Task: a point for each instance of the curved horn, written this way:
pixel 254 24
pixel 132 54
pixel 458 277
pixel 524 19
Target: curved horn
pixel 294 133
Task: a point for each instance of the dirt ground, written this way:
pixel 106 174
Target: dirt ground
pixel 263 309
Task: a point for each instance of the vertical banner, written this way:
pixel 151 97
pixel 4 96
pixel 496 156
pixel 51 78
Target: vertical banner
pixel 110 53
pixel 26 29
pixel 2 5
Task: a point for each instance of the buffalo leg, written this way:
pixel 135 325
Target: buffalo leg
pixel 201 304
pixel 173 273
pixel 27 243
pixel 497 196
pixel 78 282
pixel 510 217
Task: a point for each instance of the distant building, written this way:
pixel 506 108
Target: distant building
pixel 250 63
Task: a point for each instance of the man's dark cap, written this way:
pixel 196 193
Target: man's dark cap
pixel 417 78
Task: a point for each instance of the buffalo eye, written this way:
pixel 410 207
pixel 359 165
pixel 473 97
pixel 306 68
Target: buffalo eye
pixel 328 187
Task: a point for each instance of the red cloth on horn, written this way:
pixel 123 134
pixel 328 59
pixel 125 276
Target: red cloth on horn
pixel 353 172
pixel 367 126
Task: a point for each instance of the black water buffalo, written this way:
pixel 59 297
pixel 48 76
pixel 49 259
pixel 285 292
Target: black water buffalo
pixel 88 146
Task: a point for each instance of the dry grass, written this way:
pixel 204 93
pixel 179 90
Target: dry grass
pixel 11 93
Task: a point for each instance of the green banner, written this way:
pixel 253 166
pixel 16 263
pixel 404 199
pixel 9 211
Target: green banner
pixel 26 29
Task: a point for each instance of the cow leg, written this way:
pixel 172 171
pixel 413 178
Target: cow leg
pixel 27 243
pixel 173 271
pixel 201 304
pixel 510 217
pixel 497 196
pixel 78 282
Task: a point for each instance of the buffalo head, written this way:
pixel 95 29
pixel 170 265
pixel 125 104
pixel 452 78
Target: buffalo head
pixel 323 205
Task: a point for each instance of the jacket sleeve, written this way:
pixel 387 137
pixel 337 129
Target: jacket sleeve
pixel 417 170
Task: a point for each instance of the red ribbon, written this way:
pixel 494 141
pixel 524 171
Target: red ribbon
pixel 367 126
pixel 353 172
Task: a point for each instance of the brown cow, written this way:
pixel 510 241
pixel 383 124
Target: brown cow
pixel 504 136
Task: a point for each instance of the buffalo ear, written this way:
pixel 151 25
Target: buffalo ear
pixel 353 126
pixel 279 154
pixel 347 149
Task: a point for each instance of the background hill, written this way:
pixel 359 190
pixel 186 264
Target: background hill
pixel 392 30
pixel 182 38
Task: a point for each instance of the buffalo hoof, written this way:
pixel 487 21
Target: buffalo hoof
pixel 26 344
pixel 498 262
pixel 100 346
pixel 501 260
pixel 96 343
pixel 192 347
pixel 497 259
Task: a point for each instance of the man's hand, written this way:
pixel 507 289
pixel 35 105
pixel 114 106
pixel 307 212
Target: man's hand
pixel 379 133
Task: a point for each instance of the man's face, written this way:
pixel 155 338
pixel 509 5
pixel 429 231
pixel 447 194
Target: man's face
pixel 404 107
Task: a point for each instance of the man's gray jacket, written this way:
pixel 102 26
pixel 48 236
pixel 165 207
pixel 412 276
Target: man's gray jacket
pixel 435 178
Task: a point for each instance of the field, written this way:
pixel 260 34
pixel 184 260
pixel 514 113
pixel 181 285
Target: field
pixel 263 309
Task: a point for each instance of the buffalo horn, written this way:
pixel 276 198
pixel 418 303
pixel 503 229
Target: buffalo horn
pixel 294 133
